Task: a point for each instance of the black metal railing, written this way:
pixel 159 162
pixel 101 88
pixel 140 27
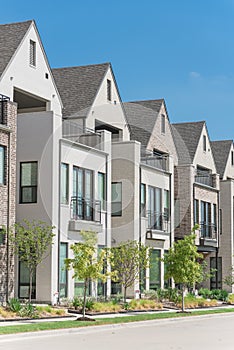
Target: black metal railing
pixel 158 221
pixel 208 230
pixel 204 178
pixel 85 209
pixel 156 161
pixel 3 101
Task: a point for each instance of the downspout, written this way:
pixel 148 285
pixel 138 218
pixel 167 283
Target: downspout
pixel 59 216
pixel 106 218
pixel 140 227
pixel 8 214
pixel 217 249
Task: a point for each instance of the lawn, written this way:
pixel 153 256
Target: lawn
pixel 104 321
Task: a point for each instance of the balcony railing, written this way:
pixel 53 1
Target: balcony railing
pixel 204 179
pixel 85 209
pixel 158 221
pixel 156 161
pixel 208 230
pixel 3 101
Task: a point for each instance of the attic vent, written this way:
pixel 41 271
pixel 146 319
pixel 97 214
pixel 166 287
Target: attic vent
pixel 163 124
pixel 32 53
pixel 108 90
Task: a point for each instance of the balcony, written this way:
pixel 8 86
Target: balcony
pixel 158 221
pixel 85 215
pixel 160 162
pixel 208 231
pixel 205 177
pixel 3 111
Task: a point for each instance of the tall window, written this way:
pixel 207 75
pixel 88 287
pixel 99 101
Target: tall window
pixel 116 199
pixel 155 208
pixel 2 236
pixel 82 193
pixel 62 271
pixel 102 190
pixel 155 269
pixel 204 143
pixel 28 182
pixel 196 212
pixel 108 90
pixel 163 124
pixel 2 165
pixel 205 219
pixel 143 199
pixel 166 209
pixel 216 279
pixel 214 217
pixel 232 158
pixel 32 53
pixel 64 183
pixel 24 282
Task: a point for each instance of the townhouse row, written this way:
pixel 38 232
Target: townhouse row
pixel 74 155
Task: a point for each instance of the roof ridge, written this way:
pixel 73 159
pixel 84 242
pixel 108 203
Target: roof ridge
pixel 153 100
pixel 16 23
pixel 196 122
pixel 87 65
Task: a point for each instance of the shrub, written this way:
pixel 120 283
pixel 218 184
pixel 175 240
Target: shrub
pixel 77 302
pixel 28 310
pixel 14 305
pixel 231 299
pixel 144 304
pixel 89 304
pixel 151 294
pixel 205 293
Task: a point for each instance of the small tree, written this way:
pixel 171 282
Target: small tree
pixel 87 264
pixel 30 243
pixel 182 264
pixel 126 260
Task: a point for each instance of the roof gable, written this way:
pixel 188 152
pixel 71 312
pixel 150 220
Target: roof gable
pixel 186 138
pixel 78 87
pixel 11 36
pixel 221 151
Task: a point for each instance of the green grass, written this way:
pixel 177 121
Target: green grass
pixel 103 321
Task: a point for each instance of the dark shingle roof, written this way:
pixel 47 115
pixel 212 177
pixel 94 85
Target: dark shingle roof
pixel 221 150
pixel 11 36
pixel 141 117
pixel 186 138
pixel 78 87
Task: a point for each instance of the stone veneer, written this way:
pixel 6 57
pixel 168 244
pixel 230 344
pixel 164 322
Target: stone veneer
pixel 7 198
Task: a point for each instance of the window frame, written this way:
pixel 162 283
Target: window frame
pixel 32 186
pixel 64 200
pixel 143 200
pixel 109 95
pixel 163 124
pixel 3 182
pixel 61 267
pixel 102 196
pixel 204 143
pixel 117 213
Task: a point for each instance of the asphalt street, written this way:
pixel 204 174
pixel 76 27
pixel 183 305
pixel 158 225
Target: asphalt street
pixel 204 332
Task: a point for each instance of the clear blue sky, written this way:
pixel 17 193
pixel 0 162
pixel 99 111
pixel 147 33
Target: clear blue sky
pixel 181 50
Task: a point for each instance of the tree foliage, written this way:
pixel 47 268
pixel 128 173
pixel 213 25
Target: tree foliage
pixel 182 263
pixel 30 243
pixel 86 263
pixel 126 260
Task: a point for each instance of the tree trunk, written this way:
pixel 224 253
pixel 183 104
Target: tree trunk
pixel 84 299
pixel 183 290
pixel 30 286
pixel 125 294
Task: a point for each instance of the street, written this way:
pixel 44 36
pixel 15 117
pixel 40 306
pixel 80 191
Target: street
pixel 205 332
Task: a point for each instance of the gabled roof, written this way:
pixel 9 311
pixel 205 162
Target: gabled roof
pixel 78 87
pixel 221 150
pixel 11 36
pixel 141 117
pixel 186 137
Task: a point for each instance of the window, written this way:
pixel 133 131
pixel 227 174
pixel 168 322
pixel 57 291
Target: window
pixel 143 200
pixel 101 285
pixel 206 231
pixel 166 209
pixel 2 236
pixel 116 199
pixel 204 143
pixel 28 182
pixel 216 279
pixel 2 165
pixel 62 271
pixel 177 213
pixel 24 284
pixel 232 158
pixel 32 53
pixel 108 90
pixel 102 190
pixel 82 194
pixel 64 183
pixel 155 269
pixel 163 124
pixel 155 208
pixel 214 217
pixel 196 212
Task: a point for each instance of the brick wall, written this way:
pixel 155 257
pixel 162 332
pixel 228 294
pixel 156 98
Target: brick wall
pixel 7 198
